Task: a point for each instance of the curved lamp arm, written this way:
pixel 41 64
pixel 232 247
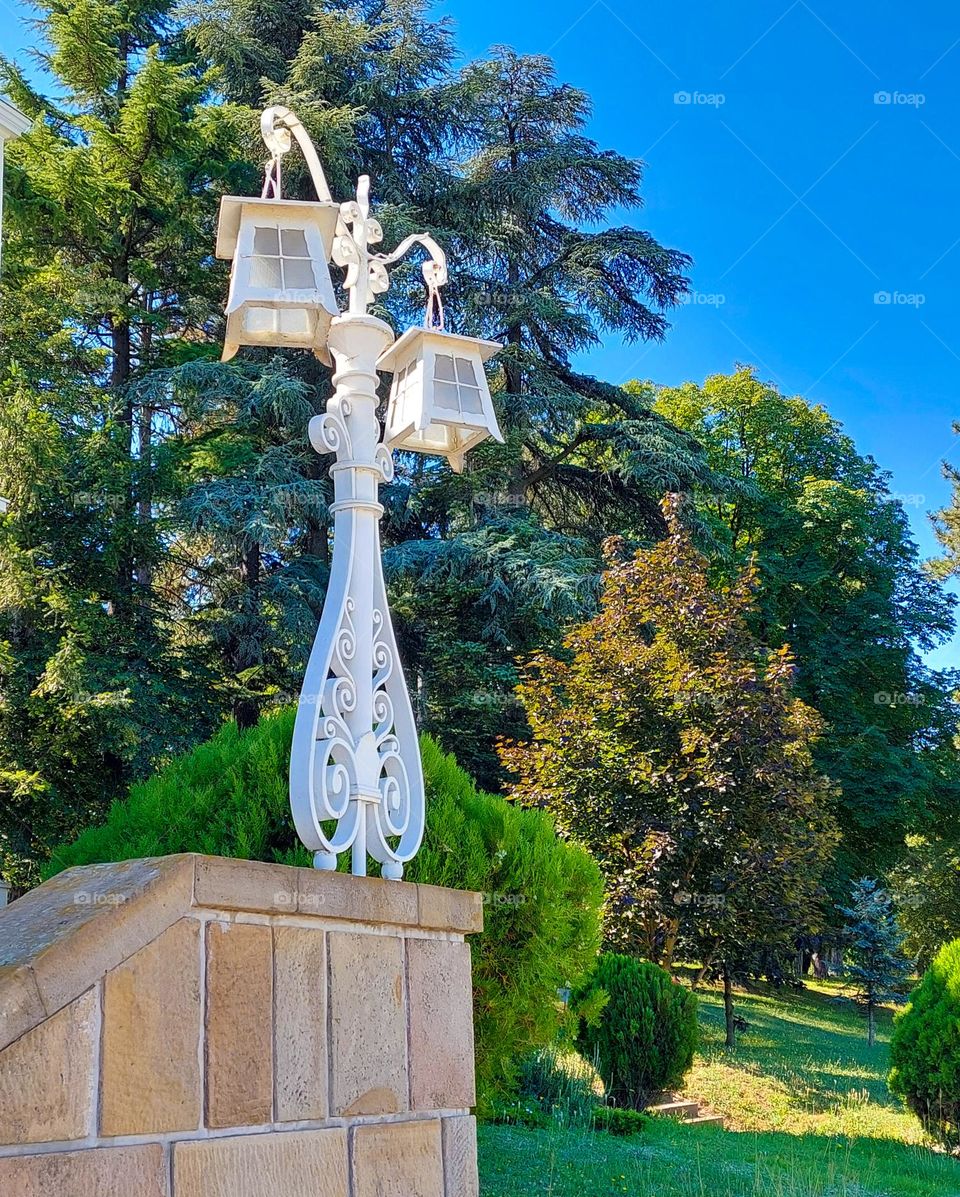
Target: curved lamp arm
pixel 276 126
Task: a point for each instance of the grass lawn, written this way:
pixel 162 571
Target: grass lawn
pixel 807 1109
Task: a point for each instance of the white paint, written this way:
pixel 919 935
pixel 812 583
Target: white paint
pixel 356 779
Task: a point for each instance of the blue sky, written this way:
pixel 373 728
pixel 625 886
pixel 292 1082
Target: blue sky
pixel 808 157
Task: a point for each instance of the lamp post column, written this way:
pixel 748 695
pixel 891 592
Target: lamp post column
pixel 356 341
pixel 355 775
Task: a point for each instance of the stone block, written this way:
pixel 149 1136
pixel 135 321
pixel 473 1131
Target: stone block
pixel 300 1023
pixel 48 1077
pixel 443 909
pixel 239 1025
pixel 100 1172
pixel 368 1021
pixel 150 1072
pixel 442 1071
pixel 245 885
pixel 357 899
pixel 287 1164
pixel 460 1176
pixel 86 921
pixel 398 1159
pixel 20 1004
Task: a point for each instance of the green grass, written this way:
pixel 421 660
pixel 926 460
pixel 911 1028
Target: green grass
pixel 808 1114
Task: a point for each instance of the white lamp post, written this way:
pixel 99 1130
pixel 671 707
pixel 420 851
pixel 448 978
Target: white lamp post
pixel 12 124
pixel 356 781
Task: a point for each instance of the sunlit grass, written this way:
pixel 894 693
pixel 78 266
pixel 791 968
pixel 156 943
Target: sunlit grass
pixel 806 1103
pixel 670 1160
pixel 803 1066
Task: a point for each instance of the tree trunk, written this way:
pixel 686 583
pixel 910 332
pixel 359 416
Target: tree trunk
pixel 871 1025
pixel 731 1040
pixel 669 944
pixel 246 709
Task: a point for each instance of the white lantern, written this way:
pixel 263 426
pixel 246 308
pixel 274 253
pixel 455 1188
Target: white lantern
pixel 280 288
pixel 439 400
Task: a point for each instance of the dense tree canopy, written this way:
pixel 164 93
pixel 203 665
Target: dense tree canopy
pixel 164 556
pixel 668 740
pixel 842 583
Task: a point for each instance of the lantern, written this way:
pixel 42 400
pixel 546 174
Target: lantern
pixel 439 400
pixel 280 288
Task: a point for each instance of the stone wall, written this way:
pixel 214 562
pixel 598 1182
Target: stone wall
pixel 196 1027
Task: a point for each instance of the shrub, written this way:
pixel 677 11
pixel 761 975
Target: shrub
pixel 925 1049
pixel 228 797
pixel 644 1039
pixel 617 1120
pixel 562 1084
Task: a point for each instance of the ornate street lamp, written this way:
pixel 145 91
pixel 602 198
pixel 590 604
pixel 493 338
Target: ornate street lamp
pixel 356 781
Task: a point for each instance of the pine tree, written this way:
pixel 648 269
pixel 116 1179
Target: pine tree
pixel 876 961
pixel 107 279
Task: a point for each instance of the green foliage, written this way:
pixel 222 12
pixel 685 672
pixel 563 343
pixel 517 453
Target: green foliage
pixel 875 958
pixel 165 555
pixel 925 1049
pixel 842 583
pixel 668 740
pixel 228 797
pixel 620 1120
pixel 926 892
pixel 644 1040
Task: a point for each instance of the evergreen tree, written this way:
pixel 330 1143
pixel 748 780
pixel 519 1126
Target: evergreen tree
pixel 876 961
pixel 109 224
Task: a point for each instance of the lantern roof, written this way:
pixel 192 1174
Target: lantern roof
pixel 12 121
pixel 442 340
pixel 232 207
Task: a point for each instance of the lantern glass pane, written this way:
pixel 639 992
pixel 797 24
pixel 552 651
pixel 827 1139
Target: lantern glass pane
pixel 447 396
pixel 465 372
pixel 265 272
pixel 294 243
pixel 298 274
pixel 444 370
pixel 268 322
pixel 266 241
pixel 470 400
